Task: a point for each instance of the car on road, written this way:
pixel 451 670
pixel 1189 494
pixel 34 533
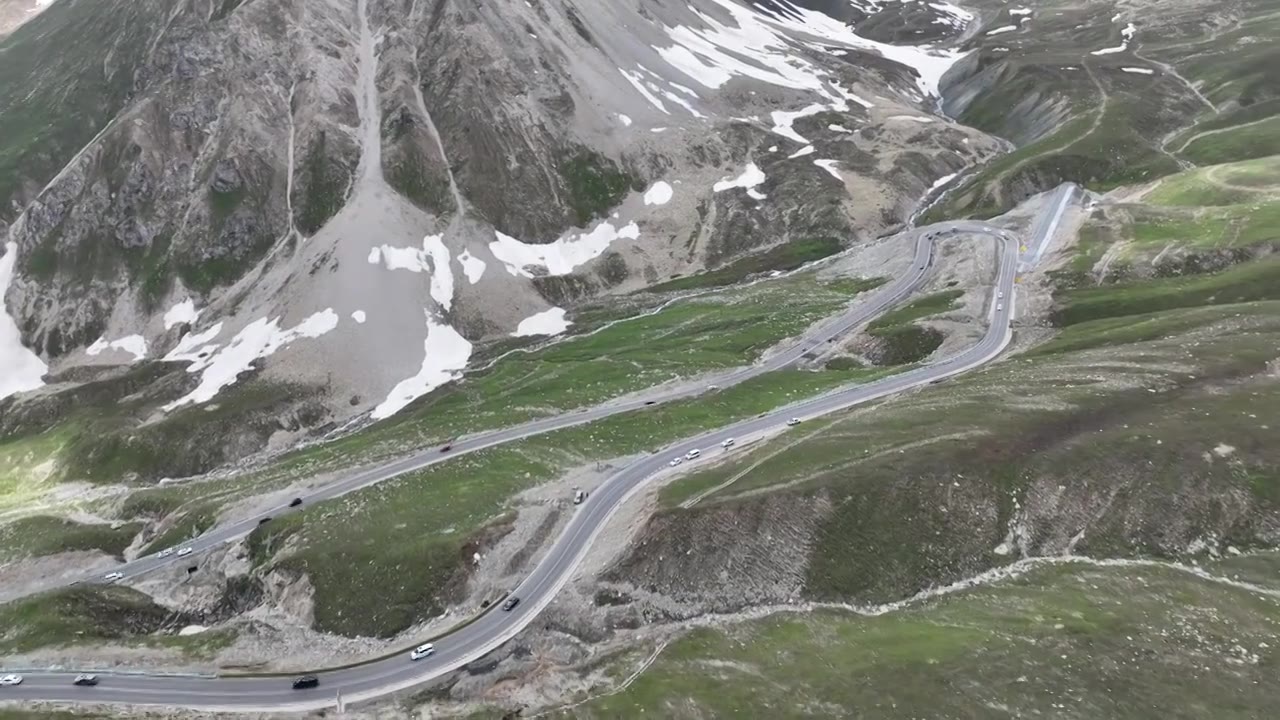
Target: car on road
pixel 184 552
pixel 85 680
pixel 728 443
pixel 423 650
pixel 650 402
pixel 113 576
pixel 295 502
pixel 579 497
pixel 165 552
pixel 510 604
pixel 675 461
pixel 264 520
pixel 446 447
pixel 693 454
pixel 1000 295
pixel 713 387
pixel 999 306
pixel 793 422
pixel 11 680
pixel 305 682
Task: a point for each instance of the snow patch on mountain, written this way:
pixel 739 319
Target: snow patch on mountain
pixel 547 322
pixel 751 178
pixel 659 194
pixel 446 354
pixel 561 256
pixel 183 313
pixel 433 257
pixel 472 266
pixel 20 369
pixel 220 368
pixel 135 345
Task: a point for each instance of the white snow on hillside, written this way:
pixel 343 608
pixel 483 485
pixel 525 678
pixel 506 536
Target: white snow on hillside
pixel 751 178
pixel 472 266
pixel 195 347
pixel 659 194
pixel 835 127
pixel 1002 30
pixel 1138 70
pixel 547 322
pixel 20 369
pixel 940 182
pixel 135 345
pixel 359 316
pixel 561 256
pixel 445 355
pixel 433 257
pixel 783 120
pixel 806 150
pixel 830 167
pixel 1127 34
pixel 183 313
pixel 222 367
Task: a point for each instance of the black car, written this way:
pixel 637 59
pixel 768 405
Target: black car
pixel 295 502
pixel 305 682
pixel 264 521
pixel 510 603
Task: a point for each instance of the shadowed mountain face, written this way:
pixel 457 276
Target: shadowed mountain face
pixel 281 185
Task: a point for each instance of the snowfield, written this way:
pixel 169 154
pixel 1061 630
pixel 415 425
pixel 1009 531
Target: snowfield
pixel 445 355
pixel 548 322
pixel 135 345
pixel 659 194
pixel 751 178
pixel 183 312
pixel 561 256
pixel 20 369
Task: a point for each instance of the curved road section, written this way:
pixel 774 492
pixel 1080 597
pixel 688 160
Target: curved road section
pixel 496 627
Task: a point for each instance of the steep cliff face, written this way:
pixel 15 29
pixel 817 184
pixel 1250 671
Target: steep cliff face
pixel 288 185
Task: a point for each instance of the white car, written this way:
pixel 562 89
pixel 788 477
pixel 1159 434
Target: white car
pixel 693 454
pixel 728 443
pixel 999 306
pixel 1000 295
pixel 424 650
pixel 676 461
pixel 184 552
pixel 793 422
pixel 112 577
pixel 11 680
pixel 165 552
pixel 579 497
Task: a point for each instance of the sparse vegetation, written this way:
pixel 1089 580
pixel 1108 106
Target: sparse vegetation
pixel 781 258
pixel 595 184
pixel 41 535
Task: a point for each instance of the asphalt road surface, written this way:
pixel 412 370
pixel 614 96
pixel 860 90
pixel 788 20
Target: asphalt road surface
pixel 496 627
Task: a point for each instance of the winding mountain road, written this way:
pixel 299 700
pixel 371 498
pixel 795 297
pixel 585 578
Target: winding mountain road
pixel 471 642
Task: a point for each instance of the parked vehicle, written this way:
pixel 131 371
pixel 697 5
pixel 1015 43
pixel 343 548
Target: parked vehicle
pixel 305 682
pixel 579 497
pixel 424 650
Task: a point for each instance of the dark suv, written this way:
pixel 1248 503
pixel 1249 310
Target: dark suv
pixel 305 682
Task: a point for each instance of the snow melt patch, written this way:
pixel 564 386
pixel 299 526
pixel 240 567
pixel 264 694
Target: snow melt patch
pixel 1002 30
pixel 561 256
pixel 20 369
pixel 751 178
pixel 192 630
pixel 257 340
pixel 433 258
pixel 757 46
pixel 911 118
pixel 195 347
pixel 940 182
pixel 659 194
pixel 830 167
pixel 359 316
pixel 472 266
pixel 783 121
pixel 547 322
pixel 135 345
pixel 1127 34
pixel 183 313
pixel 445 354
pixel 1138 71
pixel 626 121
pixel 806 150
pixel 834 127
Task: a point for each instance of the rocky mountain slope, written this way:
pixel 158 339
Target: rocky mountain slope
pixel 287 190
